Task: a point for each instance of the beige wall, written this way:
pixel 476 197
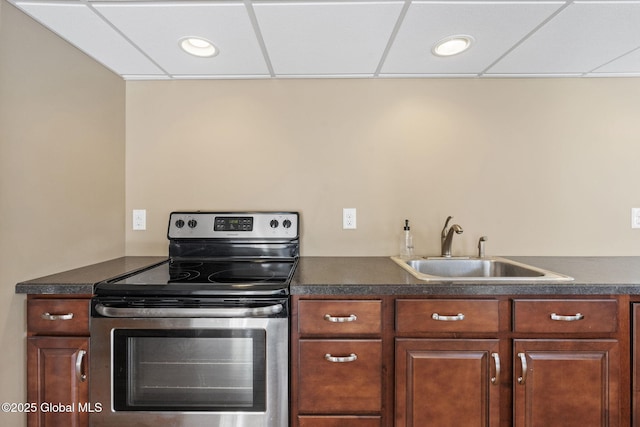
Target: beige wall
pixel 542 167
pixel 61 173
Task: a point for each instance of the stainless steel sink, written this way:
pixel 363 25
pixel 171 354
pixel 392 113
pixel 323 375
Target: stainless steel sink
pixel 476 270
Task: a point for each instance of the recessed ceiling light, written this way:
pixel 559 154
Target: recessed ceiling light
pixel 198 46
pixel 452 45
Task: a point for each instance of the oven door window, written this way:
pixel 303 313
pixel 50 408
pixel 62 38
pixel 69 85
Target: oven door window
pixel 189 370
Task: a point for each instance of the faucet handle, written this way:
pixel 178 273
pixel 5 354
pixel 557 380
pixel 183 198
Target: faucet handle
pixel 481 246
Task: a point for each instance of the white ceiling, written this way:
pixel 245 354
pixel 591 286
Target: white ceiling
pixel 325 39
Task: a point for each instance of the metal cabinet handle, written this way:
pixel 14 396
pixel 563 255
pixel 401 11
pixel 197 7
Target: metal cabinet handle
pixel 456 318
pixel 333 319
pixel 49 316
pixel 496 359
pixel 577 316
pixel 82 377
pixel 523 362
pixel 334 359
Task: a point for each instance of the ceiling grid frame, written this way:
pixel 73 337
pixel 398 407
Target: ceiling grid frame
pixel 350 38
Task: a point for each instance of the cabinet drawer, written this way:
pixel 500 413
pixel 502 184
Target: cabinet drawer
pixel 58 316
pixel 338 421
pixel 338 376
pixel 338 318
pixel 564 315
pixel 446 316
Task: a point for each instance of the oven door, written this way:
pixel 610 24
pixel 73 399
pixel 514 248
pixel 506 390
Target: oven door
pixel 190 371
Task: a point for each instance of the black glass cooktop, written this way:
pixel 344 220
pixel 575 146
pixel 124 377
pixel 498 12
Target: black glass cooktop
pixel 206 277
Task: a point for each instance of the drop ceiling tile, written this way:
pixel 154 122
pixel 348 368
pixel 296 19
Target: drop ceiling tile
pixel 326 38
pixel 627 64
pixel 495 26
pixel 318 38
pixel 157 27
pixel 581 38
pixel 80 26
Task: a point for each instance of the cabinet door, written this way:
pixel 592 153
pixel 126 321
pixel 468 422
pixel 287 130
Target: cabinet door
pixel 56 372
pixel 447 383
pixel 566 382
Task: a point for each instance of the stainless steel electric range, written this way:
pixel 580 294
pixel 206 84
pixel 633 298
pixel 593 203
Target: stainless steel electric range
pixel 202 338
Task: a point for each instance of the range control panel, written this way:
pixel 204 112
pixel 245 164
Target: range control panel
pixel 236 225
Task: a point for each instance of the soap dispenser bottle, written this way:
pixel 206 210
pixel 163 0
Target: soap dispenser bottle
pixel 406 244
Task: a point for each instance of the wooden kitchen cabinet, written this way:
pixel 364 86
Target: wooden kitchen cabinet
pixel 574 379
pixel 338 369
pixel 340 376
pixel 340 318
pixel 566 382
pixel 459 361
pixel 415 316
pixel 57 361
pixel 566 316
pixel 447 382
pixel 55 370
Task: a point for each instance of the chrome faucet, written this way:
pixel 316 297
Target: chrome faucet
pixel 446 237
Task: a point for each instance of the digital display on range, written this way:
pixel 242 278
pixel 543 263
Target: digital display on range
pixel 233 223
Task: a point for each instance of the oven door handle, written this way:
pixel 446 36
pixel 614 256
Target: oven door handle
pixel 189 312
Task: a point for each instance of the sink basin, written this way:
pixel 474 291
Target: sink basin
pixel 476 270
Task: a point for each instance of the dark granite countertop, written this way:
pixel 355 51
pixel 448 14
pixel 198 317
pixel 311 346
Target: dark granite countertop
pixel 381 276
pixel 81 280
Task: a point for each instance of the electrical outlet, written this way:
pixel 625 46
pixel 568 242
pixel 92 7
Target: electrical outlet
pixel 139 219
pixel 349 218
pixel 635 217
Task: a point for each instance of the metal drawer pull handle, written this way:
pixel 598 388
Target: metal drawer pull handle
pixel 350 318
pixel 333 359
pixel 577 316
pixel 49 316
pixel 79 371
pixel 456 318
pixel 523 362
pixel 496 360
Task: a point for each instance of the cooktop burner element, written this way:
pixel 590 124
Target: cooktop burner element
pixel 212 253
pixel 236 271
